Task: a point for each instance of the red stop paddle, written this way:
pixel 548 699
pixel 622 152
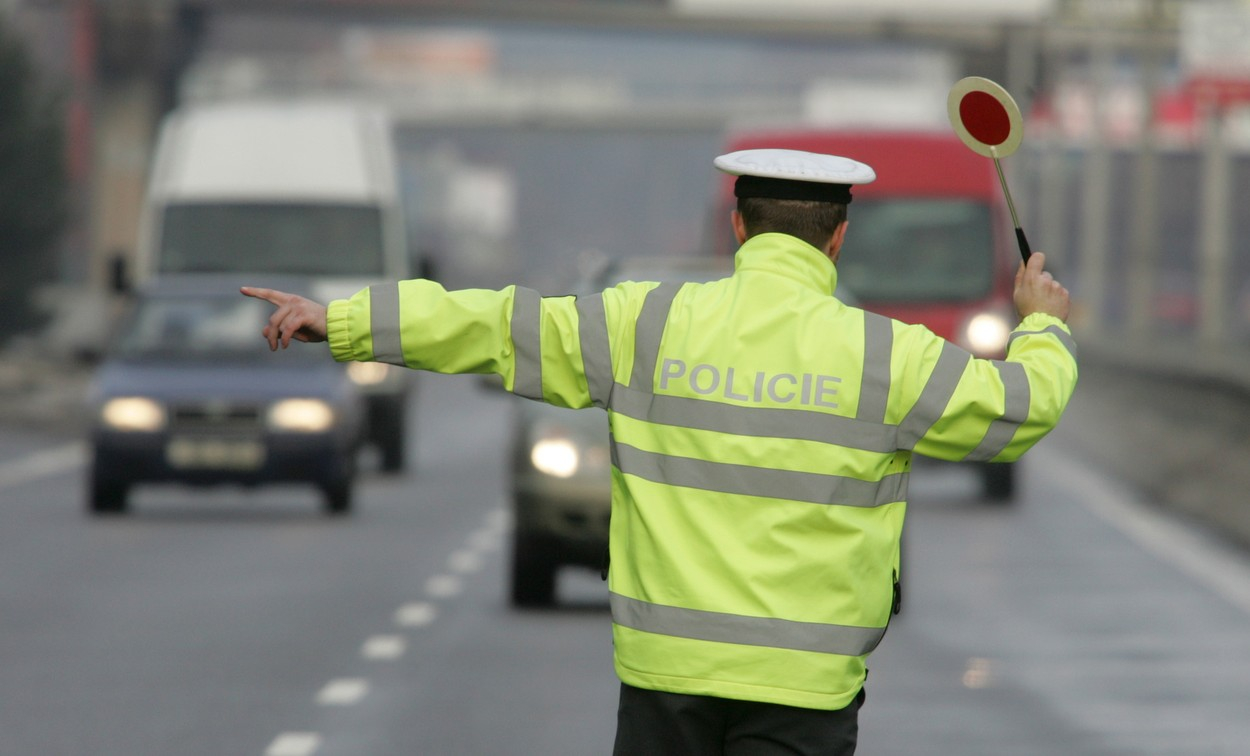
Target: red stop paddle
pixel 988 120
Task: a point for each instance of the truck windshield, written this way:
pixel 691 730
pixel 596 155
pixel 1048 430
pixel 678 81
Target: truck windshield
pixel 309 239
pixel 918 249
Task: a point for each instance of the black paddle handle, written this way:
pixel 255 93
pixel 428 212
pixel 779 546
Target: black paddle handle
pixel 1024 244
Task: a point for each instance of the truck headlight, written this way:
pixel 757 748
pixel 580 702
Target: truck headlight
pixel 301 416
pixel 557 457
pixel 133 414
pixel 367 373
pixel 987 334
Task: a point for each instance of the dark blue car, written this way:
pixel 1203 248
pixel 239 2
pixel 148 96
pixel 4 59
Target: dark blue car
pixel 190 393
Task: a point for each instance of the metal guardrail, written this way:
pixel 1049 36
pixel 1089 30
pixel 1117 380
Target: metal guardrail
pixel 1140 298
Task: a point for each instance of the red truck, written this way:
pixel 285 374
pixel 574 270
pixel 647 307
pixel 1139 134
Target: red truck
pixel 930 241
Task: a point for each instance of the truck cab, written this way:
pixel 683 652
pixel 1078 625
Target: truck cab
pixel 929 241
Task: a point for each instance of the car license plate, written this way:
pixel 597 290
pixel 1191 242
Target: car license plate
pixel 214 454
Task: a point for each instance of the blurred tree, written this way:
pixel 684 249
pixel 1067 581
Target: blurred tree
pixel 33 184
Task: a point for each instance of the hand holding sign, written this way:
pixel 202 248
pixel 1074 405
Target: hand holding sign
pixel 988 120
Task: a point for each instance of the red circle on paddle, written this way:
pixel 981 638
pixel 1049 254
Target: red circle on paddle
pixel 985 118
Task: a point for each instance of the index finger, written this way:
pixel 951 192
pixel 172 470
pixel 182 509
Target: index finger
pixel 272 296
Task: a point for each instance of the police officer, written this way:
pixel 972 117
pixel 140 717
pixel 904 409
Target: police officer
pixel 762 434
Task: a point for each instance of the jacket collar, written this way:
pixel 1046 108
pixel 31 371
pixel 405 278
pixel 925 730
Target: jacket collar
pixel 787 256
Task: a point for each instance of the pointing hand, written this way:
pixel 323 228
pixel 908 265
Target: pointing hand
pixel 296 317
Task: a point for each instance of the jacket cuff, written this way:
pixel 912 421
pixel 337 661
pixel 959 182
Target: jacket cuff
pixel 1040 321
pixel 337 332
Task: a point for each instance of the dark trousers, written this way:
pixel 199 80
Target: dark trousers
pixel 651 723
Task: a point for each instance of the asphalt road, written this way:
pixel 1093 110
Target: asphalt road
pixel 1080 620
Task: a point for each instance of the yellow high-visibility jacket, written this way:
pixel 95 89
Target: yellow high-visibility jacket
pixel 762 434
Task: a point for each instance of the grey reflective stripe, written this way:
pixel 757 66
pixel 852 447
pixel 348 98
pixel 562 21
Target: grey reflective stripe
pixel 800 425
pixel 1016 399
pixel 1064 337
pixel 384 323
pixel 935 396
pixel 719 627
pixel 592 332
pixel 648 330
pixel 747 480
pixel 526 343
pixel 874 385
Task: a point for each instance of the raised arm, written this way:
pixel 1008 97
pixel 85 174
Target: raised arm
pixel 995 410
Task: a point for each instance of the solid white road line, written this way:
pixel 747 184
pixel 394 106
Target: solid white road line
pixel 384 647
pixel 294 744
pixel 42 464
pixel 343 692
pixel 1215 565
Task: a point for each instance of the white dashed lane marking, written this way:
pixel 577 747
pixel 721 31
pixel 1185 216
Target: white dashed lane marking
pixel 384 647
pixel 343 692
pixel 294 744
pixel 498 519
pixel 443 586
pixel 464 561
pixel 416 614
pixel 389 647
pixel 483 541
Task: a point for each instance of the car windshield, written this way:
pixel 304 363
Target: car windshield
pixel 194 328
pixel 918 249
pixel 313 239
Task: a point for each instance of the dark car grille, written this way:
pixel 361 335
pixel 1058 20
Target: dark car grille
pixel 216 418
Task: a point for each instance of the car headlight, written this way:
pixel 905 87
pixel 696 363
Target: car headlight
pixel 301 416
pixel 987 333
pixel 367 373
pixel 557 457
pixel 133 413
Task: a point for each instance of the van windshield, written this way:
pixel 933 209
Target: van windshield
pixel 310 239
pixel 918 249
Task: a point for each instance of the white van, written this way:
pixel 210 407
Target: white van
pixel 284 188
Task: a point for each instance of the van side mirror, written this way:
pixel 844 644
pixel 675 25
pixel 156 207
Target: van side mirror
pixel 425 268
pixel 119 275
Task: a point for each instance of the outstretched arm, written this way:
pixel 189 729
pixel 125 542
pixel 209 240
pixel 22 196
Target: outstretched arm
pixel 534 343
pixel 295 317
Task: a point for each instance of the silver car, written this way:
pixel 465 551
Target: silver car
pixel 561 465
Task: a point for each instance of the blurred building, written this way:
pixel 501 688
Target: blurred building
pixel 527 107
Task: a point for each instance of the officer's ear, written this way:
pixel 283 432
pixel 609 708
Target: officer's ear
pixel 740 226
pixel 834 248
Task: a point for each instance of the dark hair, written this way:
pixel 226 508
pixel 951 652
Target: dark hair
pixel 813 222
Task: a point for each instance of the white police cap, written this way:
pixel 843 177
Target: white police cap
pixel 794 174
